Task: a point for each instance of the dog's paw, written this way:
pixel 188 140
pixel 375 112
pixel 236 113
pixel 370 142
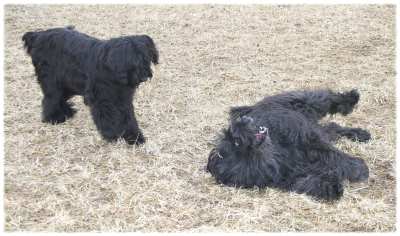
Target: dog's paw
pixel 69 112
pixel 136 139
pixel 358 170
pixel 54 119
pixel 140 139
pixel 353 96
pixel 347 102
pixel 360 135
pixel 59 115
pixel 330 191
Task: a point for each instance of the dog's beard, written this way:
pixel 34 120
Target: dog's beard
pixel 242 169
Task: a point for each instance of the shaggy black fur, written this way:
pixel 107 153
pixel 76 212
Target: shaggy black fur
pixel 105 72
pixel 279 143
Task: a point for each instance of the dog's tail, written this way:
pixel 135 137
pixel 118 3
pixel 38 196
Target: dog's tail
pixel 29 40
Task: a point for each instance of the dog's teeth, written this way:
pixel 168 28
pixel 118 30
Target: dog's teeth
pixel 263 129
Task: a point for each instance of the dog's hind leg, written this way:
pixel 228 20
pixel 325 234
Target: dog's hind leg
pixel 335 161
pixel 317 104
pixel 55 108
pixel 336 131
pixel 344 103
pixel 52 111
pixel 323 179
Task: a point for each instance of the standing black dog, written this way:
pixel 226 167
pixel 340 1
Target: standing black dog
pixel 279 143
pixel 105 72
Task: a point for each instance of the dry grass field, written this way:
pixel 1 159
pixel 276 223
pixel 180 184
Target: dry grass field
pixel 66 178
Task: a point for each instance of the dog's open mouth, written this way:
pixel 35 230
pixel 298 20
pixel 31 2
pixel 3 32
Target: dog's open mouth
pixel 262 133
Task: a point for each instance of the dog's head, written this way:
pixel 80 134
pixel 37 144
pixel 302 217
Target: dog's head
pixel 129 59
pixel 245 134
pixel 244 155
pixel 243 139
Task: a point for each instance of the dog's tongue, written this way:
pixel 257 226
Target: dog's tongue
pixel 262 133
pixel 260 137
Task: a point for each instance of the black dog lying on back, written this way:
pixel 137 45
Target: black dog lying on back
pixel 105 72
pixel 279 143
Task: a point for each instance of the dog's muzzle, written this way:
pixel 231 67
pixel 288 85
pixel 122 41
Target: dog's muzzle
pixel 262 133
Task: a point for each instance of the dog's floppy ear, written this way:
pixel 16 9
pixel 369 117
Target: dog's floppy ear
pixel 236 112
pixel 121 58
pixel 130 58
pixel 150 46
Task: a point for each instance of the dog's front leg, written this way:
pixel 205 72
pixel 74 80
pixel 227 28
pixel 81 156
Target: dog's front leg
pixel 115 122
pixel 335 131
pixel 108 119
pixel 112 112
pixel 132 133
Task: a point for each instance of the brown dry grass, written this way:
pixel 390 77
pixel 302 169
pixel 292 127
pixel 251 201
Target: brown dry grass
pixel 65 178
